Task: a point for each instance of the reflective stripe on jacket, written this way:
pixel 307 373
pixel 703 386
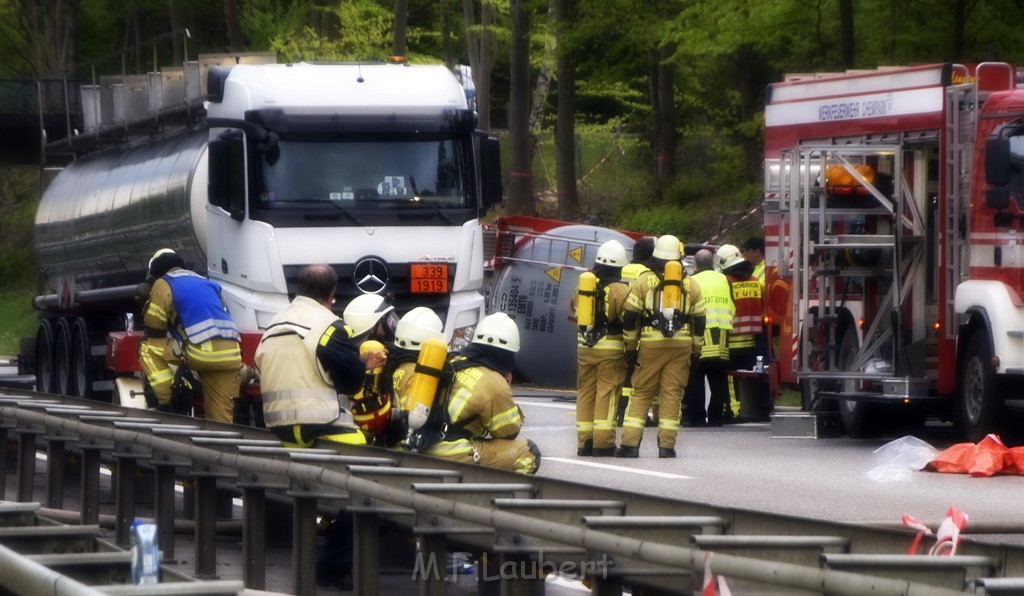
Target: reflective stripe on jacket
pixel 719 311
pixel 201 312
pixel 747 323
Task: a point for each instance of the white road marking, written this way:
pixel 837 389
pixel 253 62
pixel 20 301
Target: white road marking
pixel 615 468
pixel 548 405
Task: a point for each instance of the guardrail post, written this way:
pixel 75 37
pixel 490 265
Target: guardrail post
pixel 254 537
pixel 433 565
pixel 90 481
pixel 206 527
pixel 163 501
pixel 26 460
pixel 55 455
pixel 366 538
pixel 124 502
pixel 304 546
pixel 4 450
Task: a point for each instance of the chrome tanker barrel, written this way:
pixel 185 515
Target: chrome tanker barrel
pixel 104 216
pixel 535 288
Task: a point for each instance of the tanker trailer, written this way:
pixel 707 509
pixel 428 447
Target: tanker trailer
pixel 376 169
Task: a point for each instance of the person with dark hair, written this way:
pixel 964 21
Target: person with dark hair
pixel 642 251
pixel 190 308
pixel 753 252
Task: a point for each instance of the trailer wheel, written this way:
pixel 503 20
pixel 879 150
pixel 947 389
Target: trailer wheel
pixel 82 365
pixel 62 357
pixel 976 402
pixel 856 415
pixel 44 357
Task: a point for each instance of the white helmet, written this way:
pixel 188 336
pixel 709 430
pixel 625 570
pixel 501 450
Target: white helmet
pixel 417 326
pixel 365 311
pixel 727 256
pixel 612 254
pixel 159 253
pixel 668 248
pixel 497 330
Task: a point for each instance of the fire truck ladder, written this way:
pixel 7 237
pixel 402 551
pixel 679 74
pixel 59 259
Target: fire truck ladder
pixel 833 245
pixel 961 121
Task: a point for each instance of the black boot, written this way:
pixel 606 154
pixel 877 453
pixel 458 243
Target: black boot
pixel 666 452
pixel 627 451
pixel 604 452
pixel 587 450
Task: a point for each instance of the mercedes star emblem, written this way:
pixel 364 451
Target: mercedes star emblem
pixel 370 275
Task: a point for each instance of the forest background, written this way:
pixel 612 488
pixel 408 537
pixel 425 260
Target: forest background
pixel 636 114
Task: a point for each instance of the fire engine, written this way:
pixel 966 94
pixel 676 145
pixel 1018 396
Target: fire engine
pixel 894 200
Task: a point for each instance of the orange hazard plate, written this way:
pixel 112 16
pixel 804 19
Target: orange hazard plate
pixel 428 278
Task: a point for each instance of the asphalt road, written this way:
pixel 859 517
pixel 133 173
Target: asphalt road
pixel 742 466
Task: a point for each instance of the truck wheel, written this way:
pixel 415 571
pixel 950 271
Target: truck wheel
pixel 44 357
pixel 62 357
pixel 976 402
pixel 82 365
pixel 856 415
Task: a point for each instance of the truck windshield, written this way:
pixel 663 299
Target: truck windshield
pixel 364 175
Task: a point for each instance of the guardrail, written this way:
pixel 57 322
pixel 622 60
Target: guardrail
pixel 615 537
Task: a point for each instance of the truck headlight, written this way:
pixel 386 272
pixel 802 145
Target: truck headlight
pixel 461 338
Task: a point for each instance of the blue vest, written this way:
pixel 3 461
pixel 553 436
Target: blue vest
pixel 201 313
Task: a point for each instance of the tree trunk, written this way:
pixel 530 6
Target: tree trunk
pixel 520 199
pixel 446 37
pixel 472 37
pixel 486 65
pixel 177 43
pixel 846 36
pixel 233 18
pixel 398 39
pixel 540 90
pixel 565 129
pixel 959 22
pixel 665 115
pixel 749 80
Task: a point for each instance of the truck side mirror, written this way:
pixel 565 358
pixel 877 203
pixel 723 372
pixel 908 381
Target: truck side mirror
pixel 490 171
pixel 997 198
pixel 997 160
pixel 226 187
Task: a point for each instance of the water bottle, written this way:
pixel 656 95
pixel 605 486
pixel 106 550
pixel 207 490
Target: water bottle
pixel 759 367
pixel 145 554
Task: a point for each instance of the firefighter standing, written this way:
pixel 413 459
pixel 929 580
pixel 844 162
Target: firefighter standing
pixel 308 356
pixel 642 250
pixel 668 334
pixel 753 251
pixel 746 342
pixel 601 363
pixel 475 418
pixel 713 362
pixel 190 308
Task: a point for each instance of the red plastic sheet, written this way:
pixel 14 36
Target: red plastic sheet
pixel 988 457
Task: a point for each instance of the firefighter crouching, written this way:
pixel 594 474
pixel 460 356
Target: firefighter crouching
pixel 601 362
pixel 308 356
pixel 471 416
pixel 414 328
pixel 190 307
pixel 668 311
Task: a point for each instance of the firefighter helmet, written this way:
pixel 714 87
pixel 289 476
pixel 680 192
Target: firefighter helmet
pixel 668 248
pixel 163 261
pixel 366 311
pixel 416 326
pixel 727 256
pixel 612 254
pixel 497 330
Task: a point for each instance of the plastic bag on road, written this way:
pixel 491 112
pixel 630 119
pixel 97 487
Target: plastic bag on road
pixel 896 461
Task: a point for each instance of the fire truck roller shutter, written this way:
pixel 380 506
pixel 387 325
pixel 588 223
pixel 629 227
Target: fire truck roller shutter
pixel 536 296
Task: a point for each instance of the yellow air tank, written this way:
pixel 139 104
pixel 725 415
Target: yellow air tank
pixel 671 294
pixel 423 384
pixel 372 382
pixel 586 300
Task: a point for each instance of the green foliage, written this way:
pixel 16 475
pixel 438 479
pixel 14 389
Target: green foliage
pixel 17 319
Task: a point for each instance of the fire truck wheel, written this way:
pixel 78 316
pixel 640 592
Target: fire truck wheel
pixel 44 357
pixel 857 416
pixel 976 402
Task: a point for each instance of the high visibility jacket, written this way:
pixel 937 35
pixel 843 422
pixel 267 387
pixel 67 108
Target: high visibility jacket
pixel 613 298
pixel 632 271
pixel 747 322
pixel 759 273
pixel 201 312
pixel 719 311
pixel 296 388
pixel 645 300
pixel 479 404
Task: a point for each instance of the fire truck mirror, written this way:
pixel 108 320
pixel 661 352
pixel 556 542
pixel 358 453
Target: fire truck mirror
pixel 997 161
pixel 997 198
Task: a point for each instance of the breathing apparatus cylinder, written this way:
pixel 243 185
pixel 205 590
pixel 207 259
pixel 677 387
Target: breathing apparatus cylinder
pixel 424 382
pixel 372 382
pixel 672 292
pixel 371 411
pixel 586 301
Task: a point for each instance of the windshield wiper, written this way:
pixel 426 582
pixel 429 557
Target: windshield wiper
pixel 346 212
pixel 416 198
